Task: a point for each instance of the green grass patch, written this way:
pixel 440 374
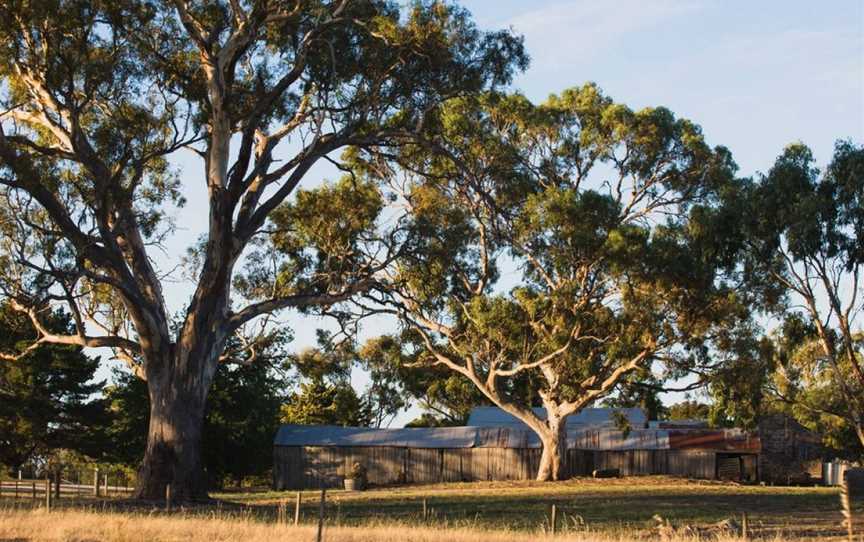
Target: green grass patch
pixel 598 504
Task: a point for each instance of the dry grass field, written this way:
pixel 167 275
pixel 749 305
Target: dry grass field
pixel 606 505
pixel 84 526
pixel 601 510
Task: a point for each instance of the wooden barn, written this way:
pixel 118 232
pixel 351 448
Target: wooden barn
pixel 319 456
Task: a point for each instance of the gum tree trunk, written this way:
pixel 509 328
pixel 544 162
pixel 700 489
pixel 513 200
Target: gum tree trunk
pixel 553 458
pixel 173 453
pixel 178 388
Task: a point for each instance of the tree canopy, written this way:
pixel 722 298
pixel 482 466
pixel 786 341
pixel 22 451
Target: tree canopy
pixel 96 97
pixel 572 241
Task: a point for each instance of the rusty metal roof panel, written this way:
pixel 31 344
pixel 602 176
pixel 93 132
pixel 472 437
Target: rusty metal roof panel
pixel 728 440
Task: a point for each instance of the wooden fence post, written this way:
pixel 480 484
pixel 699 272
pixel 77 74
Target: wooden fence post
pixel 57 477
pixel 47 492
pixel 745 527
pixel 297 510
pixel 34 492
pixel 553 520
pixel 425 510
pixel 96 481
pixel 106 485
pixel 16 489
pixel 846 507
pixel 167 497
pixel 319 538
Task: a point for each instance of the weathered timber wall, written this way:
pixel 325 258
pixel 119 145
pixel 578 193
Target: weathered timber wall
pixel 692 463
pixel 297 467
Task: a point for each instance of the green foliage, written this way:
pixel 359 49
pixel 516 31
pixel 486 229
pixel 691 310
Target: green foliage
pixel 241 420
pixel 427 419
pixel 621 422
pixel 737 385
pixel 46 396
pixel 813 215
pixel 323 403
pixel 689 409
pixel 385 395
pixel 326 396
pixel 318 238
pixel 805 385
pixel 606 272
pixel 641 389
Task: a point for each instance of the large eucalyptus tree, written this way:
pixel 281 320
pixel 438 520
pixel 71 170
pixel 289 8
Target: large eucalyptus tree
pixel 96 96
pixel 567 244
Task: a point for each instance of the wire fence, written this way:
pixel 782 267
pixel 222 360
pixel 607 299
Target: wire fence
pixel 69 483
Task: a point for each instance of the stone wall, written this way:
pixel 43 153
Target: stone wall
pixel 791 454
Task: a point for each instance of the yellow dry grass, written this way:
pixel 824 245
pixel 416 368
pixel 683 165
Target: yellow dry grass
pixel 91 526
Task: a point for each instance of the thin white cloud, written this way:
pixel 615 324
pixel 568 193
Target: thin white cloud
pixel 569 33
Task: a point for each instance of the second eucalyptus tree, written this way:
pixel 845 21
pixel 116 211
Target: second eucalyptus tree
pixel 97 96
pixel 572 242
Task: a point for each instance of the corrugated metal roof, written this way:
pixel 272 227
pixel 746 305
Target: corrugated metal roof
pixel 330 435
pixel 421 437
pixel 495 417
pixel 465 437
pixel 598 435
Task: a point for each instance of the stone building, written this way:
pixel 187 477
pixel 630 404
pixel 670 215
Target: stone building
pixel 791 453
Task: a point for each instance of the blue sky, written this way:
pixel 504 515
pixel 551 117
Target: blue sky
pixel 755 75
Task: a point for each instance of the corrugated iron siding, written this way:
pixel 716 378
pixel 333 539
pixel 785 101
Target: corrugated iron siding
pixel 297 467
pixel 692 463
pixel 613 439
pixel 597 438
pixel 496 453
pixel 302 467
pixel 632 462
